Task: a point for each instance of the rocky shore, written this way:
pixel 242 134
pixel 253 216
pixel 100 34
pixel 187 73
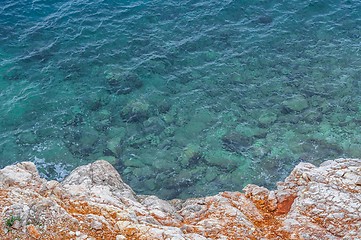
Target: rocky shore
pixel 94 203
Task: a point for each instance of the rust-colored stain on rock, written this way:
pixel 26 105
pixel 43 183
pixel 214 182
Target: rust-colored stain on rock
pixel 285 206
pixel 256 214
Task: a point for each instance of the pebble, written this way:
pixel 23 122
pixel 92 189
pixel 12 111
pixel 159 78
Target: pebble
pixel 358 181
pixel 51 184
pixel 120 237
pixel 96 225
pixel 306 177
pixel 16 225
pixel 33 232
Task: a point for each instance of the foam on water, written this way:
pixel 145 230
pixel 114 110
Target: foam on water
pixel 185 98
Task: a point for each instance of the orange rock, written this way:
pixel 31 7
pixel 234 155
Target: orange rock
pixel 285 206
pixel 33 232
pixel 103 207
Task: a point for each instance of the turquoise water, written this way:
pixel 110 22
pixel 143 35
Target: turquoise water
pixel 185 98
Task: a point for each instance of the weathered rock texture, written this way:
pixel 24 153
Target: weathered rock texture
pixel 94 203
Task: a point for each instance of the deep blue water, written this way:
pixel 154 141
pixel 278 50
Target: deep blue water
pixel 185 98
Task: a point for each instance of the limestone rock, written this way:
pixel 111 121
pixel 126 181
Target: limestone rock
pixel 95 177
pixel 94 203
pixel 19 175
pixel 96 225
pixel 99 185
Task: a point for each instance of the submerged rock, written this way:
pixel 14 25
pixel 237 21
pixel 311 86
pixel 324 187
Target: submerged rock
pixel 223 159
pixel 96 100
pixel 123 82
pixel 93 202
pixel 88 137
pixel 236 142
pixel 265 19
pixel 27 138
pixel 54 151
pixel 114 146
pixel 191 155
pixel 154 125
pixel 135 111
pixel 296 103
pixel 267 119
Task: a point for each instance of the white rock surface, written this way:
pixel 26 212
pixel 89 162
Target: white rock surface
pixel 94 203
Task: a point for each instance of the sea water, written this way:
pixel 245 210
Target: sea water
pixel 184 98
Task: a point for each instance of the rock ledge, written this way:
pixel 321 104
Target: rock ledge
pixel 94 203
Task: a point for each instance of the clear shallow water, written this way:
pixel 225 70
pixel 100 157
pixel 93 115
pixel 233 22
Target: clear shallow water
pixel 185 98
